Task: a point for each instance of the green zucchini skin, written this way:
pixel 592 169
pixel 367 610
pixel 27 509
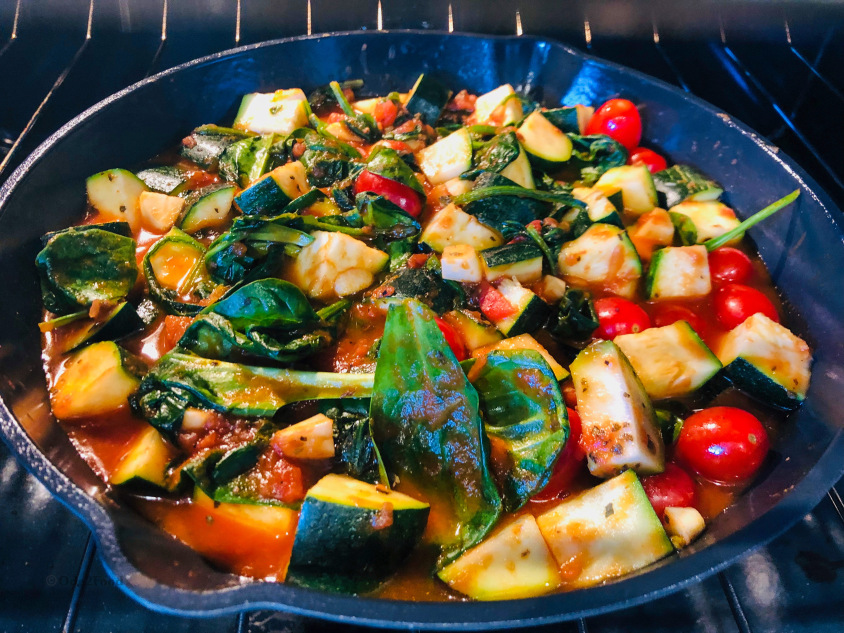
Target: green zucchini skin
pixel 121 321
pixel 510 254
pixel 749 379
pixel 165 179
pixel 338 549
pixel 206 144
pixel 265 197
pixel 427 99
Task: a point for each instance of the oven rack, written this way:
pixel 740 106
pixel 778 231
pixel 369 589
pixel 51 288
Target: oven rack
pixel 776 67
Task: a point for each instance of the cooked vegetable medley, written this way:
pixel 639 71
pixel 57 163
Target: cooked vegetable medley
pixel 426 345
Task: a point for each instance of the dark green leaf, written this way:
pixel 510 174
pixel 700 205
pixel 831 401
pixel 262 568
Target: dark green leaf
pixel 425 421
pixel 245 161
pixel 423 284
pixel 595 154
pixel 386 162
pixel 575 318
pixel 207 143
pixel 78 267
pixel 198 285
pixel 526 421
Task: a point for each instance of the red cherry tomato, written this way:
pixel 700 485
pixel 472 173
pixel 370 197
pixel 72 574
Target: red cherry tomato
pixel 619 119
pixel 619 316
pixel 736 302
pixel 647 157
pixel 667 313
pixel 569 463
pixel 495 305
pixel 400 195
pixel 729 265
pixel 455 342
pixel 385 113
pixel 673 488
pixel 722 444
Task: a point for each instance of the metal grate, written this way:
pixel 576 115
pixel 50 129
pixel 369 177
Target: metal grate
pixel 777 68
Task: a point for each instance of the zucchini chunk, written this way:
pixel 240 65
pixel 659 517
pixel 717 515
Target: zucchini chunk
pixel 176 274
pixel 460 262
pixel 159 211
pixel 427 98
pixel 206 144
pixel 522 341
pixel 608 531
pixel 270 194
pixel 521 261
pixel 546 145
pixel 531 311
pixel 115 194
pixel 514 562
pixel 207 208
pixel 145 463
pixel 352 535
pixel 681 182
pixel 447 158
pixel 278 112
pixel 670 361
pixel 451 225
pixel 310 439
pixel 164 179
pixel 766 361
pixel 636 185
pixel 520 171
pixel 498 107
pixel 710 217
pixel 678 272
pixel 551 289
pixel 598 206
pixel 619 425
pixel 472 328
pixel 603 258
pixel 95 380
pixel 652 230
pixel 335 265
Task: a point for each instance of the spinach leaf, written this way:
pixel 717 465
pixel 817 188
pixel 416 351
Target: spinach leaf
pixel 495 155
pixel 180 380
pixel 323 97
pixel 268 318
pixel 245 161
pixel 354 449
pixel 361 124
pixel 387 163
pixel 526 421
pixel 503 211
pixel 595 154
pixel 80 266
pixel 425 421
pixel 206 144
pixel 422 284
pixel 575 318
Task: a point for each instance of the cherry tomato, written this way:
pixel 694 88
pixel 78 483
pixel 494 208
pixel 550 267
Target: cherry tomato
pixel 619 119
pixel 399 146
pixel 400 195
pixel 673 488
pixel 619 316
pixel 736 302
pixel 453 339
pixel 722 444
pixel 729 265
pixel 495 305
pixel 647 157
pixel 667 313
pixel 385 113
pixel 569 463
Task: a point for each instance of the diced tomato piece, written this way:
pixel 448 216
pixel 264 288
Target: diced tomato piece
pixel 336 117
pixel 174 328
pixel 399 146
pixel 417 260
pixel 385 113
pixel 495 305
pixel 455 342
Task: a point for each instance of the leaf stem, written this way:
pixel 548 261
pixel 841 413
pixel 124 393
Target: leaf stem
pixel 754 219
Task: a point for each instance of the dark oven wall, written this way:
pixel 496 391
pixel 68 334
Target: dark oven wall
pixel 775 66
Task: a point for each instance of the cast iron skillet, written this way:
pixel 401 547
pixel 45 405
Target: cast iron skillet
pixel 803 248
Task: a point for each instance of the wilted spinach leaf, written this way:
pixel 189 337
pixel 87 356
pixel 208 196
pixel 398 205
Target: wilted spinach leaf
pixel 80 266
pixel 575 318
pixel 245 161
pixel 425 421
pixel 526 421
pixel 595 154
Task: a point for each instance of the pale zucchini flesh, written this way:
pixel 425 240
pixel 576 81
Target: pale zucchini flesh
pixel 514 562
pixel 710 217
pixel 278 112
pixel 447 158
pixel 451 225
pixel 608 531
pixel 543 139
pixel 116 195
pixel 636 184
pixel 671 361
pixel 679 272
pixel 619 425
pixel 146 460
pixel 603 258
